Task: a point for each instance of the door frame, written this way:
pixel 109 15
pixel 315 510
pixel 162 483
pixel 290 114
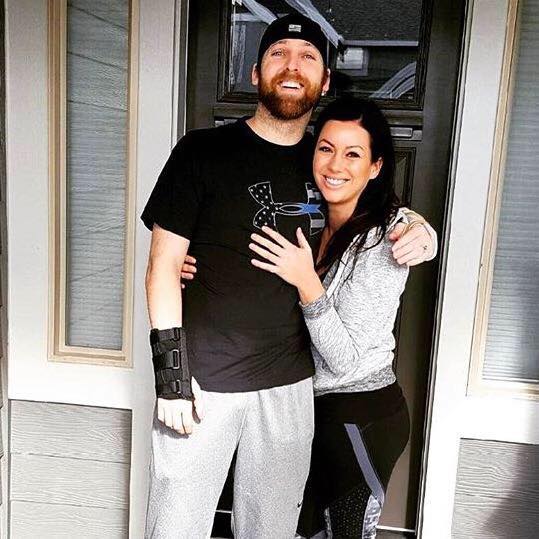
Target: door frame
pixel 454 413
pixel 206 102
pixel 31 375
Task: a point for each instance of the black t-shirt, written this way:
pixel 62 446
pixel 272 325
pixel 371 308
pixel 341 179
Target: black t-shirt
pixel 245 330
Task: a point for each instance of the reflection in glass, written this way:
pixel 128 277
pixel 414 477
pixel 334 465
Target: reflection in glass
pixel 374 45
pixel 512 344
pixel 404 168
pixel 96 131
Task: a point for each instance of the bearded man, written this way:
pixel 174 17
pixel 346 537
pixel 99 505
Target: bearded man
pixel 231 355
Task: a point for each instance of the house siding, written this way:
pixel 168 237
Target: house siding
pixel 70 470
pixel 497 492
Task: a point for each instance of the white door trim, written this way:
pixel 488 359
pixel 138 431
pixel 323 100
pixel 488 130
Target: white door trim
pixel 454 414
pixel 31 375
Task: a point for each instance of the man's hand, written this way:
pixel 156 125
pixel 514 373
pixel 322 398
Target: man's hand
pixel 412 248
pixel 178 414
pixel 188 269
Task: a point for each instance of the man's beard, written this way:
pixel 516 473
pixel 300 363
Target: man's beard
pixel 286 107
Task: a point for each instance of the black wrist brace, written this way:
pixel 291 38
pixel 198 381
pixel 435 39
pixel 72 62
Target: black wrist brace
pixel 170 363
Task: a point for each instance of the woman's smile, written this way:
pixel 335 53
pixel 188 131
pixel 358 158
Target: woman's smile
pixel 335 183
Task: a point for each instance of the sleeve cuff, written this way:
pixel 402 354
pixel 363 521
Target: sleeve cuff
pixel 316 308
pixel 166 224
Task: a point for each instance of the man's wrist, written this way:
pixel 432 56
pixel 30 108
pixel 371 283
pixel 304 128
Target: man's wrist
pixel 171 365
pixel 413 216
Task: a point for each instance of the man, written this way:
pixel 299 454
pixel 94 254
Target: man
pixel 244 342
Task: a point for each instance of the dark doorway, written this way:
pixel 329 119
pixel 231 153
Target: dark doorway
pixel 405 54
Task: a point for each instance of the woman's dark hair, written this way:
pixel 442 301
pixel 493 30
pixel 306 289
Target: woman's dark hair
pixel 378 202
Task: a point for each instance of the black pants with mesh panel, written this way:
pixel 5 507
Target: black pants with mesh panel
pixel 357 441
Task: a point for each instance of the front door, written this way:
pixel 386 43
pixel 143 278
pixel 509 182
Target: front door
pixel 404 54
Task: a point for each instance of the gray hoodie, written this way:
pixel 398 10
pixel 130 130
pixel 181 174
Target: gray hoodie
pixel 351 324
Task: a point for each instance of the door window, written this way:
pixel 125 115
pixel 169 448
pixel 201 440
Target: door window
pixel 507 345
pixel 92 74
pixel 369 55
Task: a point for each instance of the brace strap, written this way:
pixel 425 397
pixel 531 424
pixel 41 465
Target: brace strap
pixel 171 365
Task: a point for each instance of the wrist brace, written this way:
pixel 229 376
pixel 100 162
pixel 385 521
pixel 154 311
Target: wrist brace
pixel 170 363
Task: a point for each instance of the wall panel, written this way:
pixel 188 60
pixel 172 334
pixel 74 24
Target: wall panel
pixel 70 470
pixel 497 492
pixel 31 520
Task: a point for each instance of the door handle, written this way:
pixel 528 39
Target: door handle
pixel 407 133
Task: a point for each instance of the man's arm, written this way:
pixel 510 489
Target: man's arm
pixel 163 293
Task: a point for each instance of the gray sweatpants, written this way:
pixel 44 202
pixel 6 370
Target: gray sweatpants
pixel 271 429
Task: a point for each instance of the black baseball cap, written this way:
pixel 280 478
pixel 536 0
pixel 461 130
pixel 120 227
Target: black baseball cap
pixel 293 26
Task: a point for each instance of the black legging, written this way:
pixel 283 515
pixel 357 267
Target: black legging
pixel 358 439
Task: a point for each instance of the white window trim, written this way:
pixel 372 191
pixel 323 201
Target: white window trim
pixel 58 349
pixel 31 375
pixel 477 384
pixel 453 414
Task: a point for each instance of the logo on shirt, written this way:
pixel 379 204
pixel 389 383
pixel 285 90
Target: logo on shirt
pixel 262 193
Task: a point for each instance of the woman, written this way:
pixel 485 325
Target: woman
pixel 349 296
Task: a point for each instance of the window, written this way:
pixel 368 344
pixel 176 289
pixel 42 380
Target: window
pixel 506 345
pixel 369 55
pixel 92 132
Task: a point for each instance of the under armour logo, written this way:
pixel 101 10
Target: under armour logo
pixel 261 192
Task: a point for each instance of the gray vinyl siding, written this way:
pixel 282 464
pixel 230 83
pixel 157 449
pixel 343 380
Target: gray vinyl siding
pixel 69 471
pixel 67 521
pixel 497 492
